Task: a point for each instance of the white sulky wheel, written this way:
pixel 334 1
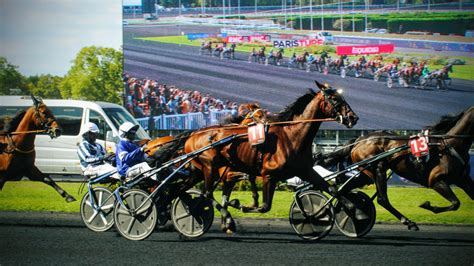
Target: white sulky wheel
pixel 358 221
pixel 318 222
pixel 192 214
pixel 98 215
pixel 138 220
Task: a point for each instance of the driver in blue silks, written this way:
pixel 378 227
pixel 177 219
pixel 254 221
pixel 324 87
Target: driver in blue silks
pixel 131 158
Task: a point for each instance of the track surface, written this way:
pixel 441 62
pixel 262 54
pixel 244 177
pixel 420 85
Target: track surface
pixel 385 245
pixel 275 87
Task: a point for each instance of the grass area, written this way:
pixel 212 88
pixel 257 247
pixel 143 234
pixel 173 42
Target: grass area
pixel 33 196
pixel 459 71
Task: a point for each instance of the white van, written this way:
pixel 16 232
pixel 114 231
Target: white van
pixel 325 36
pixel 59 156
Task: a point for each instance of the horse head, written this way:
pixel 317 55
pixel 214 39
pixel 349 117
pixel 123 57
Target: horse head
pixel 335 106
pixel 252 112
pixel 44 118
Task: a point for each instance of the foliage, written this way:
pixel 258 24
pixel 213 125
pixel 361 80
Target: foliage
pixel 95 75
pixel 10 78
pixel 46 86
pixel 346 24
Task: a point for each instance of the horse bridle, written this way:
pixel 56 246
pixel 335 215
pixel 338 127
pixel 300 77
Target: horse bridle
pixel 44 121
pixel 335 105
pixel 251 115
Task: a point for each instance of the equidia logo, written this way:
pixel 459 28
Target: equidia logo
pixel 365 50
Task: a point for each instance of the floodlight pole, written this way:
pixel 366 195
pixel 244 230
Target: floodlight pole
pixel 311 12
pixel 301 17
pixel 322 14
pixel 366 10
pixel 353 19
pixel 340 10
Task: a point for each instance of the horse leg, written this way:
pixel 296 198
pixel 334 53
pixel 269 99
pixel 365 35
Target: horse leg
pixel 253 187
pixel 36 175
pixel 268 192
pixel 445 191
pixel 382 196
pixel 229 224
pixel 3 179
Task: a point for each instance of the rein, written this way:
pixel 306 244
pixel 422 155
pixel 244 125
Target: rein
pixel 243 126
pixel 404 138
pixel 22 132
pixel 13 147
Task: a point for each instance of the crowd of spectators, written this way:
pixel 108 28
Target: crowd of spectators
pixel 147 97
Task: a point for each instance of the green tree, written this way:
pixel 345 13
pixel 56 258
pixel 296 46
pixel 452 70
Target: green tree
pixel 96 75
pixel 46 86
pixel 10 78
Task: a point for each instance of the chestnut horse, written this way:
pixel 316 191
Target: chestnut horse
pixel 286 152
pixel 17 158
pixel 448 162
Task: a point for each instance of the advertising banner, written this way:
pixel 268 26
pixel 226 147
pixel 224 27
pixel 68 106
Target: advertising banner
pixel 365 49
pixel 195 36
pixel 281 43
pixel 242 39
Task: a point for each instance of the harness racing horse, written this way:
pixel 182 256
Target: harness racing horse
pixel 301 60
pixel 275 57
pixel 448 162
pixel 261 57
pixel 17 157
pixel 285 153
pixel 441 76
pixel 206 46
pixel 228 52
pixel 249 113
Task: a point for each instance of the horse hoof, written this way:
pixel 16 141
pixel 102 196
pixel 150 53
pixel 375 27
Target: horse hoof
pixel 426 205
pixel 70 199
pixel 235 203
pixel 413 227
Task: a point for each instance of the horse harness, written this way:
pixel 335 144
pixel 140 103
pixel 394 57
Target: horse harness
pixel 11 147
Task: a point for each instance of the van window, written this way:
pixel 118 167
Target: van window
pixel 69 118
pixel 7 113
pixel 118 116
pixel 99 120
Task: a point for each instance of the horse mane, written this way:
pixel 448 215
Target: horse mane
pixel 13 124
pixel 445 124
pixel 296 108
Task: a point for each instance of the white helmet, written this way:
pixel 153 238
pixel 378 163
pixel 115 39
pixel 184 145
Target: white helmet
pixel 127 127
pixel 90 127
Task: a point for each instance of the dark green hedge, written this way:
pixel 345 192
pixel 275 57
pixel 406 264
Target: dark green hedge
pixel 440 25
pixel 444 23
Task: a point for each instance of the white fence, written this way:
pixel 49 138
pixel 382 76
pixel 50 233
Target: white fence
pixel 183 121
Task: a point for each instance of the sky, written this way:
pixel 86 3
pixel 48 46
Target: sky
pixel 44 36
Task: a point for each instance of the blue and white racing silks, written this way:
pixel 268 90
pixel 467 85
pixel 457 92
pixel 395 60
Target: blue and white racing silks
pixel 128 154
pixel 90 154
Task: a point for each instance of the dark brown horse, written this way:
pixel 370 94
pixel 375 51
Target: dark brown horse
pixel 448 162
pixel 286 152
pixel 17 158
